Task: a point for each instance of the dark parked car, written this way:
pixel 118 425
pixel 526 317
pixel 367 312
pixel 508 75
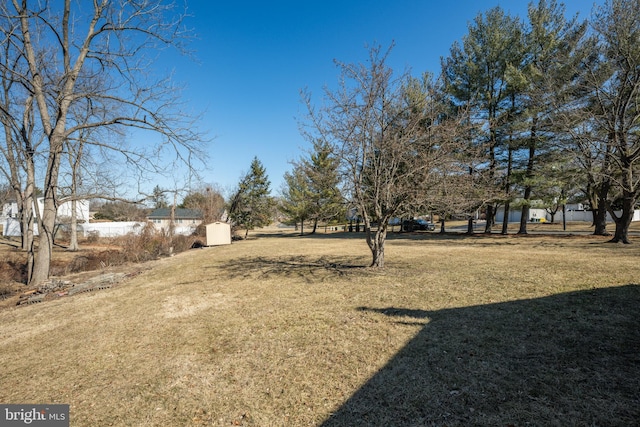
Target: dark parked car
pixel 417 225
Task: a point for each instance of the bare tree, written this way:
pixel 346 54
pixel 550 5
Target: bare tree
pixel 117 39
pixel 18 150
pixel 206 198
pixel 386 132
pixel 615 108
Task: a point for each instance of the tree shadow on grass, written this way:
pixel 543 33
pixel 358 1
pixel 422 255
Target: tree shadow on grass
pixel 307 269
pixel 565 360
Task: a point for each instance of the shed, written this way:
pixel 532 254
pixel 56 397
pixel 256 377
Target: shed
pixel 218 233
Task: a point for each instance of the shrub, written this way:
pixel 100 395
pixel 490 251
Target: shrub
pixel 152 244
pixel 13 269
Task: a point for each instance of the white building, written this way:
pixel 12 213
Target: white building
pixel 11 215
pixel 535 215
pixel 573 212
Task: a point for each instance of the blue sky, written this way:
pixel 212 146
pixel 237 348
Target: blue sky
pixel 254 57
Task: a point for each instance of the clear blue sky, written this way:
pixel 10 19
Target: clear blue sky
pixel 254 57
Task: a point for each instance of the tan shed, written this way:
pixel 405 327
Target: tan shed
pixel 218 233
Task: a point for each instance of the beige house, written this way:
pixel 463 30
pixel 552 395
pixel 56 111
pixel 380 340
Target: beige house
pixel 186 220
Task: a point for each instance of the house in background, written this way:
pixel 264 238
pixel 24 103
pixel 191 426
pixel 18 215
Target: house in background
pixel 575 212
pixel 186 220
pixel 514 215
pixel 11 215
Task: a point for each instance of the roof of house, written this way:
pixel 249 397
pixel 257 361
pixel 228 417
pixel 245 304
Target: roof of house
pixel 165 213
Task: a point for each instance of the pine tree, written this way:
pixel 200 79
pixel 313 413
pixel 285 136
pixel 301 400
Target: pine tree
pixel 475 74
pixel 550 43
pixel 296 200
pixel 324 193
pixel 251 205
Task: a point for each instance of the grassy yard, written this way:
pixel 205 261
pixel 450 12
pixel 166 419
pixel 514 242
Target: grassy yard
pixel 282 330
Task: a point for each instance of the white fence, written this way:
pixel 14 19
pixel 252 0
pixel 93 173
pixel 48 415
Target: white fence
pixel 11 227
pixel 115 229
pixel 111 229
pixel 570 215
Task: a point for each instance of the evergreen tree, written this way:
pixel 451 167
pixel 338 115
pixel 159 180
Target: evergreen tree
pixel 296 198
pixel 251 205
pixel 324 194
pixel 550 44
pixel 159 198
pixel 475 74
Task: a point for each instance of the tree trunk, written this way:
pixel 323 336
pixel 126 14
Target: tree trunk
pixel 505 219
pixel 42 259
pixel 623 221
pixel 376 244
pixel 442 229
pixel 600 217
pixel 73 243
pixel 524 217
pixel 27 226
pixel 31 213
pixel 470 226
pixel 47 221
pixel 507 186
pixel 315 226
pixel 490 215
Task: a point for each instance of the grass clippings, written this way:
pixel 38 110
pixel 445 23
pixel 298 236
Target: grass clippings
pixel 284 330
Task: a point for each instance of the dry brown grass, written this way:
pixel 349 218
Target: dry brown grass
pixel 283 330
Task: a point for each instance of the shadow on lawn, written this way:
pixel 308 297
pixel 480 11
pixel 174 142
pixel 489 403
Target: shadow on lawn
pixel 568 359
pixel 311 270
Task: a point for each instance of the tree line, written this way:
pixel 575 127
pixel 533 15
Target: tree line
pixel 540 108
pixel 543 108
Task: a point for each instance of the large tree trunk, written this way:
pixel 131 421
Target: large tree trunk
pixel 376 244
pixel 524 216
pixel 470 226
pixel 505 219
pixel 600 215
pixel 623 221
pixel 42 258
pixel 600 222
pixel 490 214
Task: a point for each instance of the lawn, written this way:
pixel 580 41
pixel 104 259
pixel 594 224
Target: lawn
pixel 281 330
